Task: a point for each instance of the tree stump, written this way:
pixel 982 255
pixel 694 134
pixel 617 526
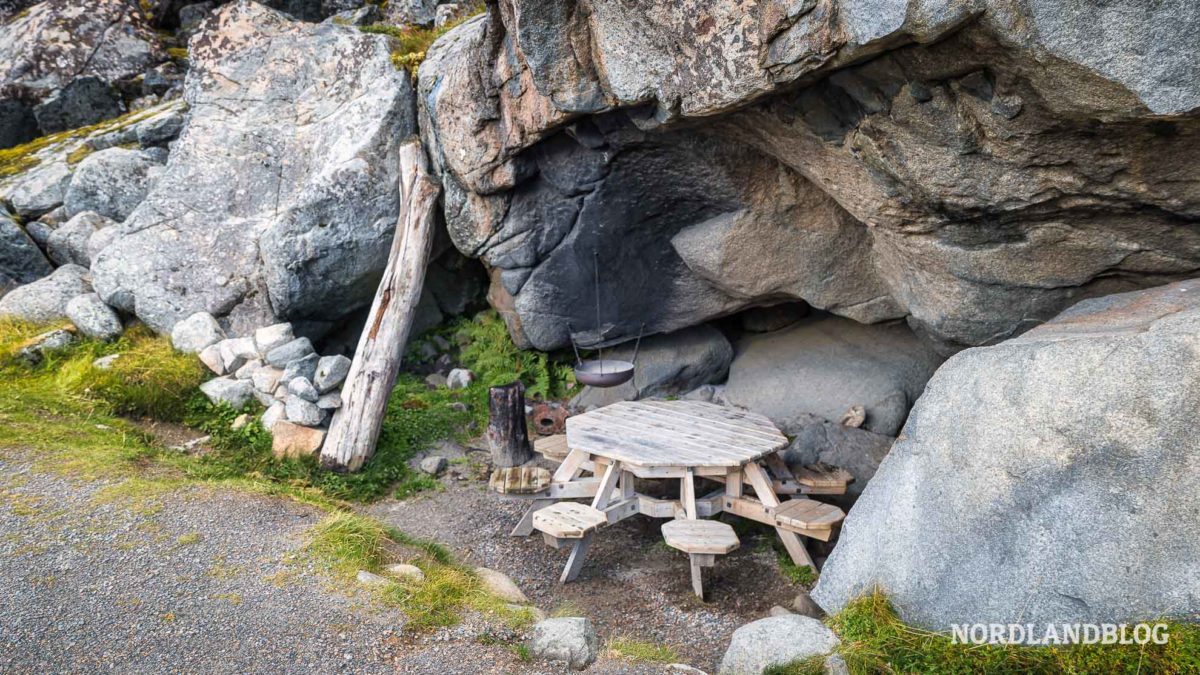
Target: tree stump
pixel 507 436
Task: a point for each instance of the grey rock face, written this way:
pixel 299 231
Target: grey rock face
pixel 93 318
pixel 571 640
pixel 235 393
pixel 70 243
pixel 667 365
pixel 999 501
pixel 40 189
pixel 950 223
pixel 46 299
pixel 303 232
pixel 331 372
pixel 305 367
pixel 301 387
pixel 111 182
pixel 303 412
pixel 58 42
pixel 856 450
pixel 776 641
pixel 270 337
pixel 196 332
pixel 20 259
pixel 284 354
pixel 823 365
pixel 330 401
pixel 85 101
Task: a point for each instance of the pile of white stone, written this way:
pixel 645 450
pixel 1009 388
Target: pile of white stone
pixel 299 388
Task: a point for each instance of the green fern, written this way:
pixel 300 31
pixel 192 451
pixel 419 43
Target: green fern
pixel 491 354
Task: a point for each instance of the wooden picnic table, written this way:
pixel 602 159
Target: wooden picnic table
pixel 680 440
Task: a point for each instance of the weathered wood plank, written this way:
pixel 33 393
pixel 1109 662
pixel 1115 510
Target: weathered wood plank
pixel 355 428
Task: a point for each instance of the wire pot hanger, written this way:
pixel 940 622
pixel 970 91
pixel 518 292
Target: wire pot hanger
pixel 601 372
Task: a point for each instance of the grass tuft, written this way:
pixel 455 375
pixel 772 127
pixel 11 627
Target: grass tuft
pixel 874 639
pixel 639 650
pixel 345 543
pixel 410 43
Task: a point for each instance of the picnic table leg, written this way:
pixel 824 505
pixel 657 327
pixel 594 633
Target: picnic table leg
pixel 762 487
pixel 687 493
pixel 607 482
pixel 524 527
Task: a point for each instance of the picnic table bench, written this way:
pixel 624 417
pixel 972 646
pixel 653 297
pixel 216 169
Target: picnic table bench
pixel 683 440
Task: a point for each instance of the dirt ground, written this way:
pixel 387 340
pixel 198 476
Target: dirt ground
pixel 632 585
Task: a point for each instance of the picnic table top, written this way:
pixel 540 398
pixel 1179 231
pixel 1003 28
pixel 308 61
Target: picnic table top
pixel 674 433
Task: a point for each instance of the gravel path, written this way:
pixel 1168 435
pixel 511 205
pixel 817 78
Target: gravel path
pixel 207 580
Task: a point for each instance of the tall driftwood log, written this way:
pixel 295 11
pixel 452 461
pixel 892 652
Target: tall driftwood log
pixel 355 427
pixel 508 439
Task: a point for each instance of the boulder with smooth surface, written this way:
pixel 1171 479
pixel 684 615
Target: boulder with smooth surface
pixel 776 641
pixel 823 365
pixel 1001 498
pixel 46 299
pixel 196 332
pixel 21 261
pixel 70 242
pixel 93 318
pixel 570 640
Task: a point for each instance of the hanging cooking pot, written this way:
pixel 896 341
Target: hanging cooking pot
pixel 602 372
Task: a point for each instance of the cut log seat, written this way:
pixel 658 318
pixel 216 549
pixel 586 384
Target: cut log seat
pixel 568 520
pixel 520 480
pixel 808 514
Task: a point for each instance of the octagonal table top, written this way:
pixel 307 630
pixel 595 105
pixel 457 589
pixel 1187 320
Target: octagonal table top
pixel 674 434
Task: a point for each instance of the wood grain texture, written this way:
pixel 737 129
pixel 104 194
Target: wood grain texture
pixel 674 433
pixel 354 430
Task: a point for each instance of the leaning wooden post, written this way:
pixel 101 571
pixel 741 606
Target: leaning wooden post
pixel 355 427
pixel 507 436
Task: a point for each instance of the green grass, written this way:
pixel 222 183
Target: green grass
pixel 410 43
pixel 640 650
pixel 345 543
pixel 24 157
pixel 810 666
pixel 875 640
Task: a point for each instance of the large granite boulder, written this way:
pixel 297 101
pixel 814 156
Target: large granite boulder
pixel 824 365
pixel 21 261
pixel 46 299
pixel 1050 478
pixel 53 44
pixel 971 167
pixel 279 199
pixel 111 183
